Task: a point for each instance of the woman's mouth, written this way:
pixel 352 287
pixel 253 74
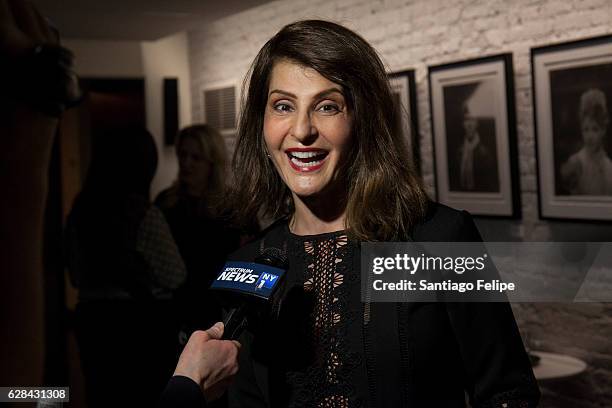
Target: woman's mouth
pixel 306 160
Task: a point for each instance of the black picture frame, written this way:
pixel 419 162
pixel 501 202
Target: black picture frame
pixel 572 92
pixel 403 87
pixel 473 122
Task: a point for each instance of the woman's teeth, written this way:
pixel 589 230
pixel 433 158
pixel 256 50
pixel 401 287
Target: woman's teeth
pixel 304 164
pixel 307 159
pixel 305 155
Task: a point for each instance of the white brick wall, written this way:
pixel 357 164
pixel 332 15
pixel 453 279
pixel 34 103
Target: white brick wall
pixel 418 33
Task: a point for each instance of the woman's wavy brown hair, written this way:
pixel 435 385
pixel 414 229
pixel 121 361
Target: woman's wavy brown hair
pixel 385 196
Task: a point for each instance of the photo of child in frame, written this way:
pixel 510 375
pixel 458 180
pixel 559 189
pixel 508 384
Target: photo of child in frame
pixel 589 171
pixel 582 142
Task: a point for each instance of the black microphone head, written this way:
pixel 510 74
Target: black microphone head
pixel 250 288
pixel 274 257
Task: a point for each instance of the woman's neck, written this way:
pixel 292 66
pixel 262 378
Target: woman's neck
pixel 190 191
pixel 594 153
pixel 317 216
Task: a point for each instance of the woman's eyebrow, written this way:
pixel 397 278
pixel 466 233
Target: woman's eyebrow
pixel 289 94
pixel 329 91
pixel 321 94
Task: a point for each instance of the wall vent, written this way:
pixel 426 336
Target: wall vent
pixel 220 108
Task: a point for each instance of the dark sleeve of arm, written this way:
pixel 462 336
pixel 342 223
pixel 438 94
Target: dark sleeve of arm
pixel 245 391
pixel 182 392
pixel 498 368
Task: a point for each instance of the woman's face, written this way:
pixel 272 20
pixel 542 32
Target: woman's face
pixel 194 169
pixel 592 134
pixel 307 128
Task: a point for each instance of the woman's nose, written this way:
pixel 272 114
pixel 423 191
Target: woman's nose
pixel 186 162
pixel 303 128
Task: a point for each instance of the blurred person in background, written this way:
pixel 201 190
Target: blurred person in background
pixel 123 259
pixel 194 209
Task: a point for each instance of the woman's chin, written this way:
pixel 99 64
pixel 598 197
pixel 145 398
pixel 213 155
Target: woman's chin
pixel 306 193
pixel 313 186
pixel 315 192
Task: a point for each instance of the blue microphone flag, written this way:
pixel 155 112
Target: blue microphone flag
pixel 249 278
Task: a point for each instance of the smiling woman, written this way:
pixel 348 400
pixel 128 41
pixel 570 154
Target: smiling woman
pixel 318 83
pixel 308 135
pixel 320 148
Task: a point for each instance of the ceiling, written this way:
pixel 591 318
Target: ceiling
pixel 137 20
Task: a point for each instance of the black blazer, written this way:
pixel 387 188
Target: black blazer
pixel 420 354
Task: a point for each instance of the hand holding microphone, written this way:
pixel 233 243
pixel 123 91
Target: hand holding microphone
pixel 210 362
pixel 250 290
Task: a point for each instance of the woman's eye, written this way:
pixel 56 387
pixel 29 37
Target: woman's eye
pixel 329 108
pixel 282 107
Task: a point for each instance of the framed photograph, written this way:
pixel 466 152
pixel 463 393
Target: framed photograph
pixel 403 87
pixel 474 136
pixel 572 89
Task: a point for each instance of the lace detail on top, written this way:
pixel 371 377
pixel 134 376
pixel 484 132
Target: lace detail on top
pixel 327 382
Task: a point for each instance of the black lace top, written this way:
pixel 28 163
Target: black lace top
pixel 332 339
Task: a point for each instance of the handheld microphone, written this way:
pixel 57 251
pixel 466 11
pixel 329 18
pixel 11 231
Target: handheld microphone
pixel 249 288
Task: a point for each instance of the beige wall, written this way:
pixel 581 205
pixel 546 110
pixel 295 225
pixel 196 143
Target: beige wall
pixel 165 58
